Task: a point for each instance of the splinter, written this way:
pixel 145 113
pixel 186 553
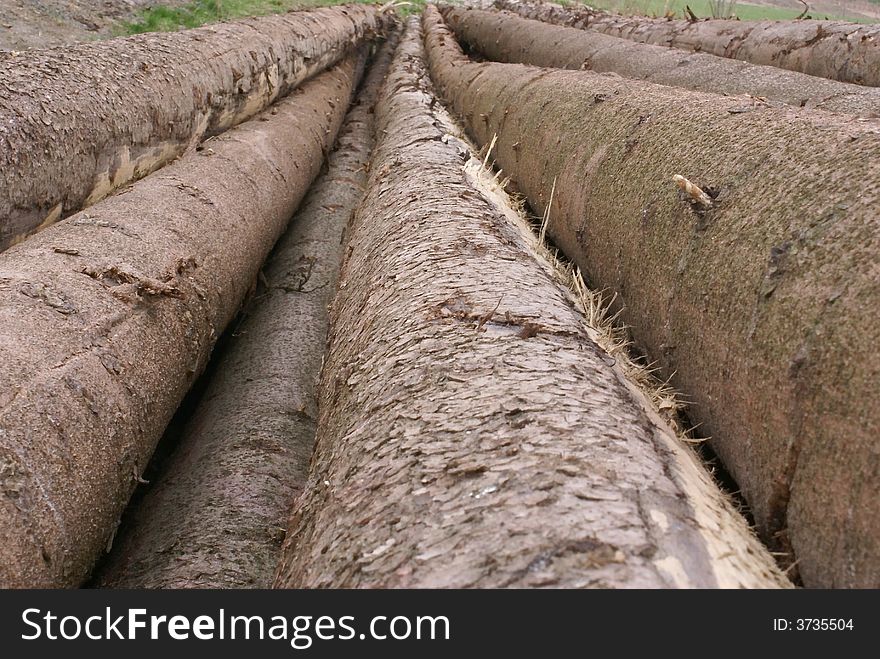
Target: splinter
pixel 693 191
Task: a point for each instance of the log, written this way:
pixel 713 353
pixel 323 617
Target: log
pixel 505 37
pixel 761 304
pixel 78 122
pixel 836 50
pixel 217 515
pixel 471 433
pixel 107 318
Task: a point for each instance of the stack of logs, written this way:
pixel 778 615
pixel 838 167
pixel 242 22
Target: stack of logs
pixel 450 420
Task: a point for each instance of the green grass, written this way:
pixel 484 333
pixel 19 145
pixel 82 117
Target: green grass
pixel 198 12
pixel 701 8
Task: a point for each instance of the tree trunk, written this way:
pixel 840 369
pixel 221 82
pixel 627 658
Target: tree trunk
pixel 761 302
pixel 505 37
pixel 216 516
pixel 837 50
pixel 471 434
pixel 107 318
pixel 77 123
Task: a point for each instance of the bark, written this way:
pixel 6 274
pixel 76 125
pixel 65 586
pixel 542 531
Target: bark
pixel 107 318
pixel 77 123
pixel 217 515
pixel 471 434
pixel 762 305
pixel 505 37
pixel 837 50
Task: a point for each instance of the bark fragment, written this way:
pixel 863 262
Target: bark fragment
pixel 94 358
pixel 762 306
pixel 78 122
pixel 456 449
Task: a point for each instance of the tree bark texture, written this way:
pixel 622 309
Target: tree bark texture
pixel 217 515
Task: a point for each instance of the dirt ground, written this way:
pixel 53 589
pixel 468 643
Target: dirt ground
pixel 45 23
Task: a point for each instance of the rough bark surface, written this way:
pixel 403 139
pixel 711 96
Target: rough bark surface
pixel 762 305
pixel 107 318
pixel 471 434
pixel 505 37
pixel 77 123
pixel 218 513
pixel 837 50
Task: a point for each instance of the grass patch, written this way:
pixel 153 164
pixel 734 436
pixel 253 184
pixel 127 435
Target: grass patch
pixel 162 18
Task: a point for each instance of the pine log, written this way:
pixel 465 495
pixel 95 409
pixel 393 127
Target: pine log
pixel 216 516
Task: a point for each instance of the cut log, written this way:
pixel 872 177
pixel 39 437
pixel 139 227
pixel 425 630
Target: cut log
pixel 107 318
pixel 217 515
pixel 837 50
pixel 77 123
pixel 761 302
pixel 505 37
pixel 471 434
